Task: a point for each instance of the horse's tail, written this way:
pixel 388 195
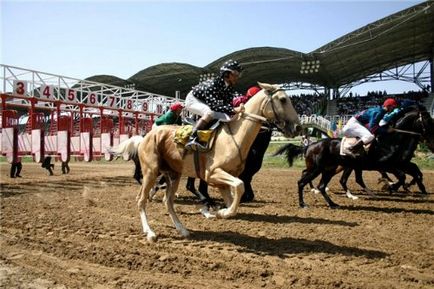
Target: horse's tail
pixel 129 146
pixel 291 152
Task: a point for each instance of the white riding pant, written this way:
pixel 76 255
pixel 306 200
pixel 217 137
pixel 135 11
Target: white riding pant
pixel 353 128
pixel 196 106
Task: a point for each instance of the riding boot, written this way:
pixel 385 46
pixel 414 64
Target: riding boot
pixel 49 171
pixel 193 141
pixel 13 170
pixel 19 167
pixel 388 156
pixel 356 148
pixel 190 185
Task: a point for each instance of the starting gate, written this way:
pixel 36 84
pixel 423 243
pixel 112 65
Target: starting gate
pixel 49 115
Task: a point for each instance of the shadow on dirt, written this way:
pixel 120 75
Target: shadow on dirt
pixel 400 198
pixel 421 199
pixel 387 210
pixel 282 247
pixel 290 219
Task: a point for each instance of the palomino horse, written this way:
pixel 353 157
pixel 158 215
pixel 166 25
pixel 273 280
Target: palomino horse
pixel 323 157
pixel 219 167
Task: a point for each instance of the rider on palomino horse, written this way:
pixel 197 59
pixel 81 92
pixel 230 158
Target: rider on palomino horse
pixel 212 99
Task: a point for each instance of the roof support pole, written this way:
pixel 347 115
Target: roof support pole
pixel 431 71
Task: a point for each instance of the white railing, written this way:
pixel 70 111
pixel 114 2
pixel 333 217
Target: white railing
pixel 319 121
pixel 72 93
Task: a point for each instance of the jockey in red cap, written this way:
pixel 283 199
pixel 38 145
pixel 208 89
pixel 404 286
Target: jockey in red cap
pixel 172 116
pixel 365 124
pixel 176 106
pixel 244 98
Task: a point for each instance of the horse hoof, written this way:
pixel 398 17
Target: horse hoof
pixel 304 206
pixel 223 214
pixel 152 238
pixel 184 233
pixel 315 191
pixel 206 213
pixel 334 206
pixel 352 197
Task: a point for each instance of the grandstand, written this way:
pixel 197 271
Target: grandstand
pixel 397 47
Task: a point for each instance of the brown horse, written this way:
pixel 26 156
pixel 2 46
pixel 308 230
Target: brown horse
pixel 219 167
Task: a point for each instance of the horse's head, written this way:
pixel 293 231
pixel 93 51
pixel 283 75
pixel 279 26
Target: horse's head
pixel 417 119
pixel 277 109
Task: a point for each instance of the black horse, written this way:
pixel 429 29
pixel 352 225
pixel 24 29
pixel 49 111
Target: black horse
pixel 390 152
pixel 410 169
pixel 420 116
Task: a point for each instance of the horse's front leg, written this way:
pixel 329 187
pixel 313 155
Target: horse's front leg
pixel 413 170
pixel 343 181
pixel 219 176
pixel 306 178
pixel 400 175
pixel 172 186
pixel 142 199
pixel 325 179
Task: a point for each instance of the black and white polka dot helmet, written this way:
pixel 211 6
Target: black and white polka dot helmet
pixel 231 65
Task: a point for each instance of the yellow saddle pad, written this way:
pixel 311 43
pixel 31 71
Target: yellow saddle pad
pixel 204 135
pixel 182 134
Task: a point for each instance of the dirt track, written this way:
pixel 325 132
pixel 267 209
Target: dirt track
pixel 83 231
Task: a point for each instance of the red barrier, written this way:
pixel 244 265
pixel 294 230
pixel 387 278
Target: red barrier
pixel 9 118
pixel 9 136
pixel 64 123
pixel 86 134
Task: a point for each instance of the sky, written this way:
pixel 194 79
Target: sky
pixel 80 39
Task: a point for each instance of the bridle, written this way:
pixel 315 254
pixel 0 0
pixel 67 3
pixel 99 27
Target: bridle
pixel 261 119
pixel 419 118
pixel 258 118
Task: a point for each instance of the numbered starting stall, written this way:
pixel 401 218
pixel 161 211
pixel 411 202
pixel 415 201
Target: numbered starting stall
pixel 49 115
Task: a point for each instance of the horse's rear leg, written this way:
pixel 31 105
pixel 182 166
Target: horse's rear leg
pixel 137 170
pixel 172 181
pixel 400 175
pixel 142 199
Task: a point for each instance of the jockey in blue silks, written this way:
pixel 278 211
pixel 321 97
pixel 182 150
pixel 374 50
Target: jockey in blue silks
pixel 402 105
pixel 365 124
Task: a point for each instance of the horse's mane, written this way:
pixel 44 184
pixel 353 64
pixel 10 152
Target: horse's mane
pixel 407 113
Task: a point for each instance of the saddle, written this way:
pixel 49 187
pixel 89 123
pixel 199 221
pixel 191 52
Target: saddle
pixel 347 143
pixel 206 137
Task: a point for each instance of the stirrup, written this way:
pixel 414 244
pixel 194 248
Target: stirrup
pixel 191 145
pixel 195 145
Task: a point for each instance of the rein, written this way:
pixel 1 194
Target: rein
pixel 406 132
pixel 259 118
pixel 256 118
pixel 419 118
pixel 253 117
